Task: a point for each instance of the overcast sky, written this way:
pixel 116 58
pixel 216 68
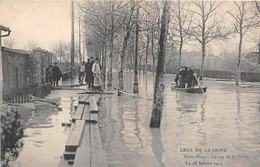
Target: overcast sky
pixel 43 21
pixel 49 21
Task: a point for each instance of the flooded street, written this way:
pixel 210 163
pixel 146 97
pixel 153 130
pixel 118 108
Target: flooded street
pixel 223 122
pixel 45 138
pixel 219 128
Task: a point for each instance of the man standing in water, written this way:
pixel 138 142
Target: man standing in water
pixel 89 74
pixel 56 74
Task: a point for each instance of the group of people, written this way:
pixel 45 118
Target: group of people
pixel 53 74
pixel 91 71
pixel 186 78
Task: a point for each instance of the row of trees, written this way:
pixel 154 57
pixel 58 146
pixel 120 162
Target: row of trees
pixel 128 30
pixel 122 30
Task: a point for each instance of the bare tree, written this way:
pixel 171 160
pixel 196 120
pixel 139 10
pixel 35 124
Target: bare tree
pixel 30 45
pixel 244 20
pixel 110 58
pixel 128 26
pixel 181 25
pixel 158 100
pixel 206 26
pixel 62 51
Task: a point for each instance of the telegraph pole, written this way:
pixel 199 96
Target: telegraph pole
pixel 80 56
pixel 83 49
pixel 72 41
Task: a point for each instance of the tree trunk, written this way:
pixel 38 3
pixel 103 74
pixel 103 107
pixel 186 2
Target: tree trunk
pixel 104 61
pixel 147 52
pixel 121 59
pixel 158 100
pixel 203 42
pixel 180 50
pixel 239 58
pixel 259 53
pixel 110 58
pixel 135 86
pixel 202 61
pixel 122 50
pixel 153 54
pixel 181 35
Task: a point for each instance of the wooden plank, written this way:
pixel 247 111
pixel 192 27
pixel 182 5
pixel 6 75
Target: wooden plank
pixel 84 99
pixel 66 88
pixel 76 85
pixel 64 163
pixel 98 156
pixel 69 155
pixel 78 113
pixel 93 104
pixel 75 136
pixel 66 124
pixel 86 113
pixel 121 92
pixel 95 92
pixel 93 118
pixel 83 153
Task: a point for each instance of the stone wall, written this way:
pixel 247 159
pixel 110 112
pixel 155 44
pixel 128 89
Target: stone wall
pixel 14 71
pixel 25 71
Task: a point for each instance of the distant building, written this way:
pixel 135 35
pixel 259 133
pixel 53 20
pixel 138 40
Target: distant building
pixel 251 57
pixel 194 59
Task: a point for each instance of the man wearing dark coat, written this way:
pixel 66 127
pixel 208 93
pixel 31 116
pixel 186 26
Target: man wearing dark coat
pixel 183 74
pixel 189 77
pixel 89 75
pixel 56 74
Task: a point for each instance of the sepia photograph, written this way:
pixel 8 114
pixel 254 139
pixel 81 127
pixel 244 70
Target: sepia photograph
pixel 130 83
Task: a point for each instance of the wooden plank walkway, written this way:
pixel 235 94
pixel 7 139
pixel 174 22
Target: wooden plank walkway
pixel 75 136
pixel 86 114
pixel 66 88
pixel 84 99
pixel 98 154
pixel 83 154
pixel 84 145
pixel 78 113
pixel 97 92
pixel 93 104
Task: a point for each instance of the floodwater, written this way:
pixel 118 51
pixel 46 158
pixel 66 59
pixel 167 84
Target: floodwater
pixel 219 128
pixel 45 138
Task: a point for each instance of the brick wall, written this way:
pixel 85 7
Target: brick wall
pixel 14 71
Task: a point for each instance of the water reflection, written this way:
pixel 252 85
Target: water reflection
pixel 202 119
pixel 157 145
pixel 45 137
pixel 186 102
